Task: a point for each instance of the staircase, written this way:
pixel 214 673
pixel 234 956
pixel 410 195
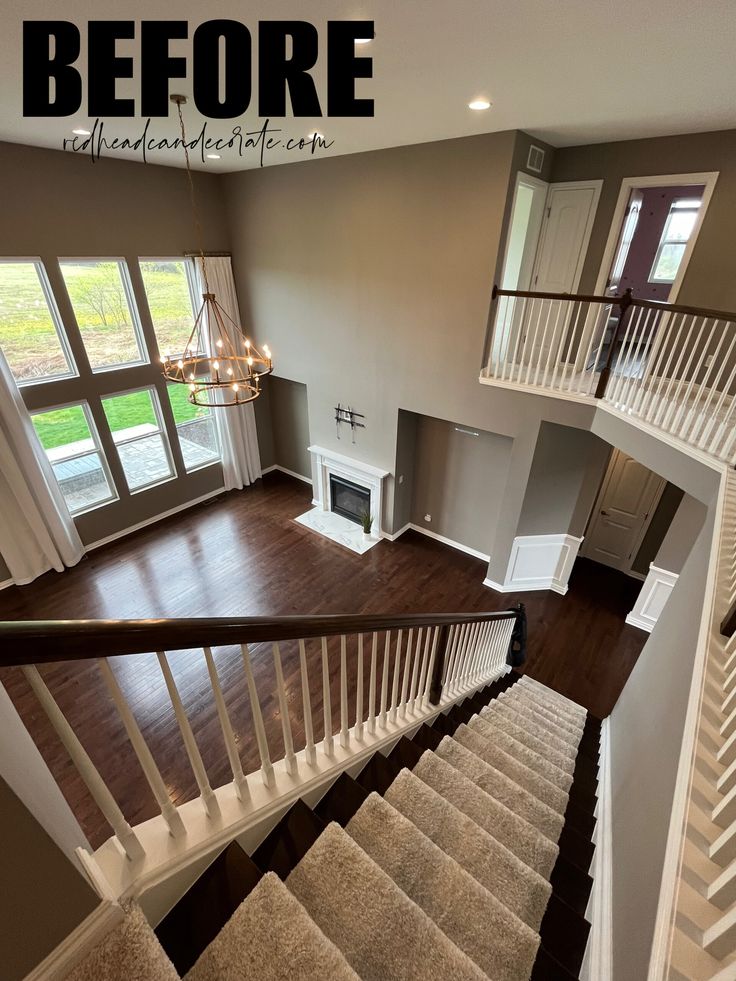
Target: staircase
pixel 463 853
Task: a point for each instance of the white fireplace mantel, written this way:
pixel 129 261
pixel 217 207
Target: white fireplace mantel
pixel 328 462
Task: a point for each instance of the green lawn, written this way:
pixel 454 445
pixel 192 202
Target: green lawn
pixel 69 425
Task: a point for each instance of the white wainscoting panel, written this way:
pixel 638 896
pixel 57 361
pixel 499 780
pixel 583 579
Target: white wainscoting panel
pixel 654 594
pixel 539 562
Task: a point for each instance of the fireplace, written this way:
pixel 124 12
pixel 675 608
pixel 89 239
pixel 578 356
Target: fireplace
pixel 349 499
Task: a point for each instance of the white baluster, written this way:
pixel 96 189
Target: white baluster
pixel 85 767
pixel 462 636
pixel 359 692
pixel 290 760
pixel 397 670
pixel 255 708
pixel 372 686
pixel 344 724
pixel 327 700
pixel 518 330
pixel 695 428
pixel 140 746
pixel 417 703
pixel 602 316
pixel 704 348
pixel 430 669
pixel 384 685
pixel 415 669
pixel 407 670
pixel 450 662
pixel 309 749
pixel 209 801
pixel 532 354
pixel 231 747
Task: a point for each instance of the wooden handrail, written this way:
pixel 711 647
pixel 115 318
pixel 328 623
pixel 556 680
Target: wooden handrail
pixel 618 300
pixel 45 641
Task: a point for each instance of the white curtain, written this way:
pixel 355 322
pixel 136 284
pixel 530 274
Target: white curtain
pixel 37 532
pixel 236 425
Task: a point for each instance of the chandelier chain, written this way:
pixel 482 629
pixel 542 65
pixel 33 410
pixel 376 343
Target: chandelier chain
pixel 193 198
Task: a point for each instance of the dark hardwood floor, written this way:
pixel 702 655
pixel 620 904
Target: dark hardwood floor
pixel 243 555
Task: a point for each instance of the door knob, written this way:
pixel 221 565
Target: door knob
pixel 604 513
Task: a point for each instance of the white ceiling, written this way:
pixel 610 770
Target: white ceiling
pixel 568 71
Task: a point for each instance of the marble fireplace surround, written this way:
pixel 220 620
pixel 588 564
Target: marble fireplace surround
pixel 326 462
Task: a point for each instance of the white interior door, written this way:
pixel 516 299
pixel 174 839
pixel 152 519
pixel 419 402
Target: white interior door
pixel 563 244
pixel 627 499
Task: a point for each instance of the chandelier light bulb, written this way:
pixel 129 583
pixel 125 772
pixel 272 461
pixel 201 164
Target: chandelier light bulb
pixel 218 342
pixel 229 371
pixel 250 362
pixel 247 343
pixel 192 388
pixel 216 365
pixel 179 364
pixel 236 387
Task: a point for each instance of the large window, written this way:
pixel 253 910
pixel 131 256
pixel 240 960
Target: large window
pixel 196 429
pixel 675 235
pixel 102 299
pixel 170 292
pixel 71 443
pixel 31 336
pixel 137 429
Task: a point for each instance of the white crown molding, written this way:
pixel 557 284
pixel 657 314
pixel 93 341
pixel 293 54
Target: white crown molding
pixel 650 602
pixel 78 943
pixel 539 562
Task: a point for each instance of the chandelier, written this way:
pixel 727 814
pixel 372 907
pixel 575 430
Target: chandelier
pixel 219 364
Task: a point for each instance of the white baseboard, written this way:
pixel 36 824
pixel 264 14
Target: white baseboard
pixel 598 960
pixel 447 541
pixel 397 534
pixel 152 521
pixel 655 592
pixel 539 562
pixel 80 941
pixel 289 473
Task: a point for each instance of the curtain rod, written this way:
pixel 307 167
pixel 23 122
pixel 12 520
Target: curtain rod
pixel 208 255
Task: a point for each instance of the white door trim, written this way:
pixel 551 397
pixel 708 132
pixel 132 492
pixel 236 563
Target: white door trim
pixel 535 182
pixel 597 185
pixel 708 178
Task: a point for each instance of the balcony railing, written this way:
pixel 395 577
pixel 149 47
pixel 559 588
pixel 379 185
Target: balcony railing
pixel 672 367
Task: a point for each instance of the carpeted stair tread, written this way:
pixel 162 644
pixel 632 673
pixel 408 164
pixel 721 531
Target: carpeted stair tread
pixel 534 695
pixel 504 756
pixel 554 697
pixel 525 841
pixel 271 937
pixel 505 948
pixel 291 839
pixel 541 729
pixel 501 787
pixel 380 931
pixel 560 718
pixel 523 890
pixel 130 951
pixel 208 904
pixel 563 732
pixel 496 730
pixel 517 728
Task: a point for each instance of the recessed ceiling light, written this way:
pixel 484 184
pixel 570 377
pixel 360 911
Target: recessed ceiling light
pixel 81 132
pixel 315 136
pixel 213 156
pixel 479 104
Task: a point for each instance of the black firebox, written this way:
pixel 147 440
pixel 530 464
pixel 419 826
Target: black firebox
pixel 349 499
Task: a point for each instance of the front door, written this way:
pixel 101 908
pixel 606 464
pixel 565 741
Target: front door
pixel 622 512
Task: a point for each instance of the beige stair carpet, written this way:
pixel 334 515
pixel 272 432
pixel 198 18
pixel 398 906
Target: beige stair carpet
pixel 543 712
pixel 554 697
pixel 130 952
pixel 501 787
pixel 571 716
pixel 496 728
pixel 504 947
pixel 381 932
pixel 511 726
pixel 526 842
pixel 543 730
pixel 511 762
pixel 271 937
pixel 543 724
pixel 523 890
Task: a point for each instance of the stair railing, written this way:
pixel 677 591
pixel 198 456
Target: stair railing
pixel 393 673
pixel 670 366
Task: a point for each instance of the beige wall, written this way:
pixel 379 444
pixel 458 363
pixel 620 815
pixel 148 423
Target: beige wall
pixel 370 277
pixel 458 480
pixel 710 280
pixel 63 205
pixel 43 897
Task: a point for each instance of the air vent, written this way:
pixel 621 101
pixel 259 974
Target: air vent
pixel 536 159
